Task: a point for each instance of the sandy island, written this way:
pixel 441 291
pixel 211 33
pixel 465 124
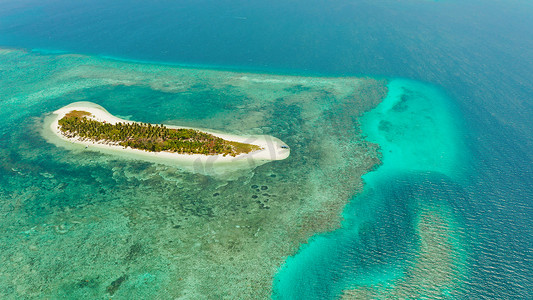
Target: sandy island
pixel 272 148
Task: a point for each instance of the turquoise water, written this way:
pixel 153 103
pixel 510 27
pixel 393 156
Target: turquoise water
pixel 463 178
pixel 417 129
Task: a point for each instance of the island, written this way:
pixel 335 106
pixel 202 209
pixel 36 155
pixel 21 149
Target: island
pixel 91 126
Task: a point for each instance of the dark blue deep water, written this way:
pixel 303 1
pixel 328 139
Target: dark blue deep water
pixel 480 53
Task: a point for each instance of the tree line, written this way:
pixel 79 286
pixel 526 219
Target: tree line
pixel 154 138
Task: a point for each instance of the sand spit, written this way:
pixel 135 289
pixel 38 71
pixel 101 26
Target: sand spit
pixel 272 148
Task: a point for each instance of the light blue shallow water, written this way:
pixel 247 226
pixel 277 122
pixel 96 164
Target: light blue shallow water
pixel 423 157
pixel 479 52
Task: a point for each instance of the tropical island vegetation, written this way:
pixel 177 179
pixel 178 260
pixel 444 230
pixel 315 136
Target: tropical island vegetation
pixel 148 137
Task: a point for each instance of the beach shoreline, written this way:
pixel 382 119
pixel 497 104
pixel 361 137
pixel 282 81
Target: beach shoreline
pixel 272 148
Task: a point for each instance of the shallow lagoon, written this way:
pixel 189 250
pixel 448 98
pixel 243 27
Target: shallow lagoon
pixel 80 224
pixel 94 225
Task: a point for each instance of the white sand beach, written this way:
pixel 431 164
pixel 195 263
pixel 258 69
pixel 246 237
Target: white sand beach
pixel 272 148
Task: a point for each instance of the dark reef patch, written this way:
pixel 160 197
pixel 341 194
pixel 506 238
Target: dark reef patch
pixel 115 285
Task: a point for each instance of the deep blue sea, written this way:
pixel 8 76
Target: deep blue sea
pixel 478 55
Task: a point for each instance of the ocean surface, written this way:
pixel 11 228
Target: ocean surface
pixel 446 211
